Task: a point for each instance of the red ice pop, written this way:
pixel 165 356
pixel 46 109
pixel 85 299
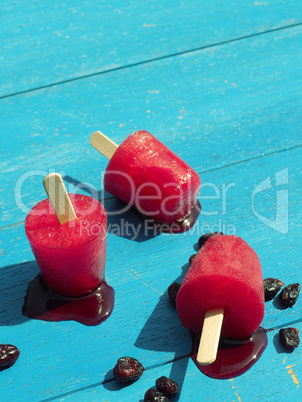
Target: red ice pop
pixel 145 173
pixel 72 254
pixel 224 280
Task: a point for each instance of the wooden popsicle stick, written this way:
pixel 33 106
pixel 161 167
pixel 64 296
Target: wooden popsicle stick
pixel 103 144
pixel 210 335
pixel 59 198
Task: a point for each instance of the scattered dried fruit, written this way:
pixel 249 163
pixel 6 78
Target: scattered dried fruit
pixel 289 294
pixel 8 355
pixel 271 287
pixel 155 396
pixel 128 369
pixel 172 292
pixel 167 386
pixel 289 337
pixel 207 236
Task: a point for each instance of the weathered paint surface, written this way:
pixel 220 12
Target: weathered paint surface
pixel 220 84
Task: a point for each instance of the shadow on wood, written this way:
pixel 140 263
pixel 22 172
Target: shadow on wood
pixel 14 281
pixel 163 332
pixel 122 220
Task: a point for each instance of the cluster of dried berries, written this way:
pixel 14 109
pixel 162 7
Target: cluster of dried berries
pixel 164 388
pixel 288 295
pixel 128 369
pixel 289 337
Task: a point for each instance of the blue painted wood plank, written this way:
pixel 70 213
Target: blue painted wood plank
pixel 208 107
pixel 238 209
pixel 262 119
pixel 154 336
pixel 259 383
pixel 44 42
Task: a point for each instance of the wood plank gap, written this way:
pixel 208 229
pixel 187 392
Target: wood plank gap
pixel 284 325
pixel 150 60
pixel 109 380
pixel 94 385
pixel 11 226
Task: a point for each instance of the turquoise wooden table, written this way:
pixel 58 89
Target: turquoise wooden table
pixel 220 84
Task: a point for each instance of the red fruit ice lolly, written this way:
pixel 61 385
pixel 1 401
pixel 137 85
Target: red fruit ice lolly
pixel 71 255
pixel 224 280
pixel 145 173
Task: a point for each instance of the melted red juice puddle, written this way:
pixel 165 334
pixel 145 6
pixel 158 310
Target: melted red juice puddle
pixel 176 227
pixel 42 303
pixel 234 357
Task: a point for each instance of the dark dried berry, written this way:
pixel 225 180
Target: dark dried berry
pixel 172 292
pixel 289 337
pixel 128 369
pixel 289 294
pixel 271 287
pixel 191 258
pixel 206 237
pixel 167 386
pixel 155 396
pixel 8 355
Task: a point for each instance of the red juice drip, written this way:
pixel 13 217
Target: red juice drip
pixel 183 226
pixel 176 227
pixel 42 303
pixel 234 357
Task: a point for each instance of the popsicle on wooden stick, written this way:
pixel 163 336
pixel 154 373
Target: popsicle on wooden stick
pixel 145 173
pixel 67 234
pixel 223 289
